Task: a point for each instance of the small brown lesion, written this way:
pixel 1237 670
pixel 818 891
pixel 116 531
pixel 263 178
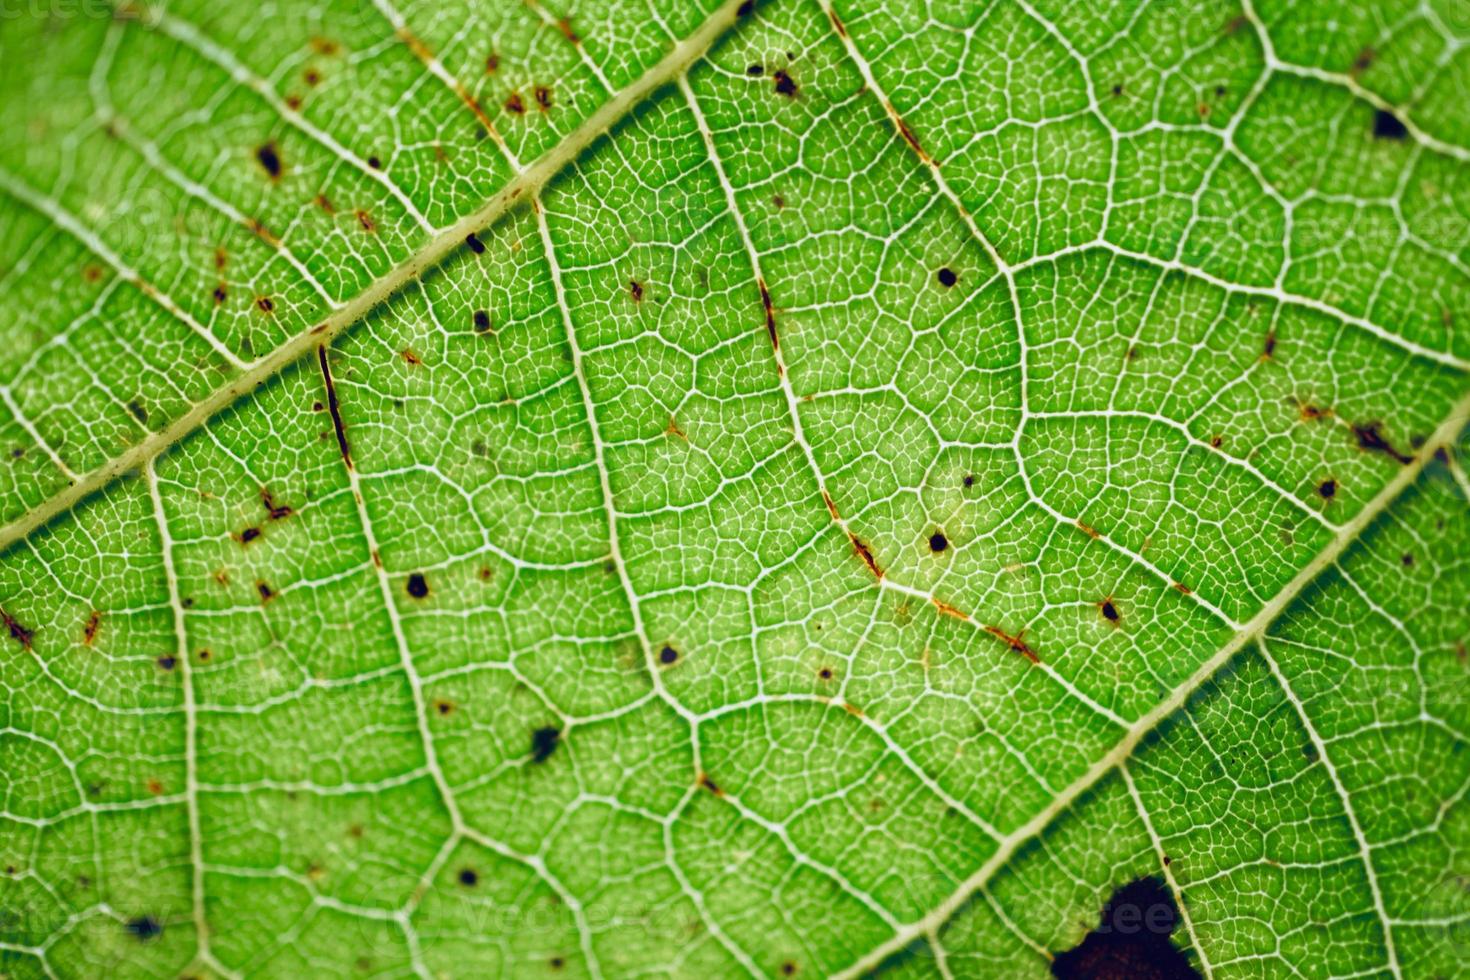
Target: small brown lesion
pixel 411 357
pixel 1181 588
pixel 514 104
pixel 564 25
pixel 1017 642
pixel 831 506
pixel 861 549
pixel 704 780
pixel 92 627
pixel 770 316
pixel 945 609
pixel 366 222
pixel 1088 530
pixel 635 290
pixel 1370 438
pixel 276 511
pixel 672 429
pixel 18 632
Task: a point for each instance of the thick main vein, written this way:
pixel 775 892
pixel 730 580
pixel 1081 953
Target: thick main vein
pixel 523 186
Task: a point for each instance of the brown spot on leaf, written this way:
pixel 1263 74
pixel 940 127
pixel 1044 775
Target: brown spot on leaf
pixel 514 105
pixel 220 294
pixel 18 633
pixel 492 63
pixel 543 97
pixel 1109 611
pixel 89 631
pixel 266 592
pixel 945 609
pixel 276 511
pixel 770 316
pixel 366 221
pixel 265 304
pixel 709 784
pixel 248 535
pixel 1016 643
pixel 410 356
pixel 785 84
pixel 635 290
pixel 1269 347
pixel 861 549
pixel 1371 439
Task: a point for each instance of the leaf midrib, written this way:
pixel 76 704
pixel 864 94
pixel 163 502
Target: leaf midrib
pixel 524 186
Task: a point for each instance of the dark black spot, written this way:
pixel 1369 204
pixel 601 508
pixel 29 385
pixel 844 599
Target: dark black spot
pixel 946 277
pixel 635 290
pixel 1309 752
pixel 139 412
pixel 266 304
pixel 788 968
pixel 144 928
pixel 1131 941
pixel 785 84
pixel 473 241
pixel 1407 559
pixel 270 159
pixel 668 655
pixel 1371 439
pixel 375 163
pixel 249 534
pixel 543 97
pixel 544 742
pixel 1327 489
pixel 266 594
pixel 1109 611
pixel 746 8
pixel 514 105
pixel 468 877
pixel 825 673
pixel 557 962
pixel 220 295
pixel 1117 90
pixel 1387 126
pixel 969 480
pixel 755 71
pixel 938 542
pixel 417 586
pixel 482 321
pixel 167 662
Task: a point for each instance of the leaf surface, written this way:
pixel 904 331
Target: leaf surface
pixel 679 488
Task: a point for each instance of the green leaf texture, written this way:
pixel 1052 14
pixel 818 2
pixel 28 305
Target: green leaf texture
pixel 677 487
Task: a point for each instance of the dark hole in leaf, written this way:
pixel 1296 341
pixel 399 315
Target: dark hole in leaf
pixel 1131 941
pixel 482 321
pixel 947 277
pixel 668 655
pixel 1327 489
pixel 468 877
pixel 1387 126
pixel 144 928
pixel 544 742
pixel 938 542
pixel 270 159
pixel 417 585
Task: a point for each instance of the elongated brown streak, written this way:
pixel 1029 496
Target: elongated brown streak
pixel 321 358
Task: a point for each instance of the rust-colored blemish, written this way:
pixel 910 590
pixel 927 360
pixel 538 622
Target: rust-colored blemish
pixel 514 104
pixel 377 558
pixel 323 202
pixel 709 784
pixel 412 358
pixel 1088 530
pixel 945 609
pixel 89 631
pixel 1310 412
pixel 543 97
pixel 852 709
pixel 565 26
pixel 325 46
pixel 276 511
pixel 1181 588
pixel 861 549
pixel 259 230
pixel 831 505
pixel 837 24
pixel 1016 643
pixel 366 221
pixel 1269 347
pixel 770 314
pixel 155 787
pixel 672 429
pixel 18 633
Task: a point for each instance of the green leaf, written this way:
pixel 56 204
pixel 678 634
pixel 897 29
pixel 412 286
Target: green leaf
pixel 802 487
